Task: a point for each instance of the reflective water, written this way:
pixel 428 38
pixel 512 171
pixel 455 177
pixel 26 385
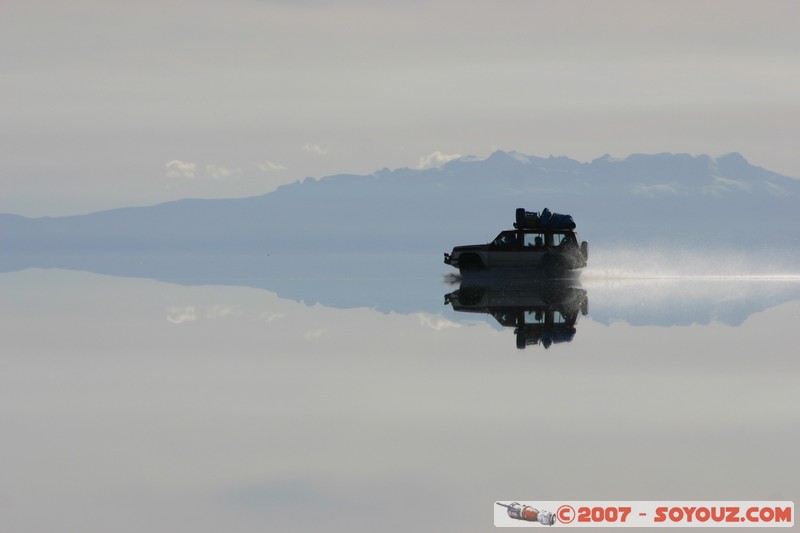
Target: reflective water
pixel 386 399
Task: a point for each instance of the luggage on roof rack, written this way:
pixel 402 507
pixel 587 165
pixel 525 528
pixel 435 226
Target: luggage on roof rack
pixel 526 219
pixel 532 219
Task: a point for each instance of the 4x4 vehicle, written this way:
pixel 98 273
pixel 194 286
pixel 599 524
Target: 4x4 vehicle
pixel 545 241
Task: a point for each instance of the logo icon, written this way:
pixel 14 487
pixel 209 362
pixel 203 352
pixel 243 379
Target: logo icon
pixel 527 513
pixel 565 514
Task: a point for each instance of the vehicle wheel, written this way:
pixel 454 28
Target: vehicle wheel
pixel 522 341
pixel 470 263
pixel 470 296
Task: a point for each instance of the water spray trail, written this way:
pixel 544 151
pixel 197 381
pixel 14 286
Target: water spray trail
pixel 690 265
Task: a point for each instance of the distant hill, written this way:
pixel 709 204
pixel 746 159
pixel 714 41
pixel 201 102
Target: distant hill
pixel 662 199
pixel 298 241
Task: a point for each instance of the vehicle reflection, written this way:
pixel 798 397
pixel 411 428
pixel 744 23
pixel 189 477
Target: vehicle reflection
pixel 541 312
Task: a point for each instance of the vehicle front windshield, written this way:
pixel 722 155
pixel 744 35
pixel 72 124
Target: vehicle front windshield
pixel 564 239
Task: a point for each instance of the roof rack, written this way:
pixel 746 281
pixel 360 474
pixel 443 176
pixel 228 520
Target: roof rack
pixel 533 219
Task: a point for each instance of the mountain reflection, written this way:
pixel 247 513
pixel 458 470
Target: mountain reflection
pixel 624 287
pixel 541 312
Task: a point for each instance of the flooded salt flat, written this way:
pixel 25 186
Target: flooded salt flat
pixel 252 406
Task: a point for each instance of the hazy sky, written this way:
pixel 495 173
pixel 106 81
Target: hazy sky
pixel 107 104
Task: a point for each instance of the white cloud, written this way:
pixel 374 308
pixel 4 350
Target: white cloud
pixel 220 173
pixel 436 159
pixel 269 166
pixel 186 170
pixel 315 149
pixel 180 169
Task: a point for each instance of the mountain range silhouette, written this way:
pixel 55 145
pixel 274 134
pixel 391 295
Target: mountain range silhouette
pixel 662 199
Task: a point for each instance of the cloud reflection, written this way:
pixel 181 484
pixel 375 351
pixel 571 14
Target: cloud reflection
pixel 251 428
pixel 436 322
pixel 178 315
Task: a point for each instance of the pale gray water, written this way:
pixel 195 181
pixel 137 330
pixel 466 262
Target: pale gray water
pixel 138 405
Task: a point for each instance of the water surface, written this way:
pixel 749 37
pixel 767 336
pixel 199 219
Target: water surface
pixel 147 405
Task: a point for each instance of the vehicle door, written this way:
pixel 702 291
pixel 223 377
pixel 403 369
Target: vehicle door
pixel 504 249
pixel 533 248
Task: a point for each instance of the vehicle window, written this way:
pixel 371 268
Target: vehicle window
pixel 534 317
pixel 558 318
pixel 534 239
pixel 505 239
pixel 507 318
pixel 558 238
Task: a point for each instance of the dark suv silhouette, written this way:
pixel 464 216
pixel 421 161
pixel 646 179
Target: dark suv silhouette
pixel 546 241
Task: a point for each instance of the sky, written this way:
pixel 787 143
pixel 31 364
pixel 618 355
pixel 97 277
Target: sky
pixel 111 104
